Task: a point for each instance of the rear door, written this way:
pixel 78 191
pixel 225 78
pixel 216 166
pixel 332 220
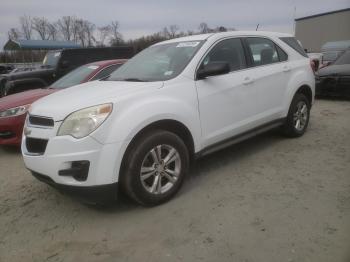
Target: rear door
pixel 270 72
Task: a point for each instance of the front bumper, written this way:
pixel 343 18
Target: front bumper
pixel 63 157
pixel 94 194
pixel 333 86
pixel 11 129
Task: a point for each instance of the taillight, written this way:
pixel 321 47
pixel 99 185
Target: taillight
pixel 314 63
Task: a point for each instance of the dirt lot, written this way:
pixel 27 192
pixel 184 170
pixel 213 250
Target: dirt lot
pixel 266 199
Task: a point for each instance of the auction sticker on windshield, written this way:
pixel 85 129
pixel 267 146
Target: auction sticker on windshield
pixel 188 44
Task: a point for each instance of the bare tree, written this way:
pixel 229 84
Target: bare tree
pixel 65 27
pixel 103 34
pixel 89 29
pixel 53 31
pixel 173 29
pixel 204 28
pixel 190 32
pixel 165 33
pixel 26 26
pixel 14 34
pixel 75 30
pixel 79 34
pixel 84 32
pixel 40 25
pixel 116 37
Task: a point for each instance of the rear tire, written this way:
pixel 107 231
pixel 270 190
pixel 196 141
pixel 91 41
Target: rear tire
pixel 154 167
pixel 298 116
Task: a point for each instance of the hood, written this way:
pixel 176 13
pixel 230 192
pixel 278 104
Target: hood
pixel 29 74
pixel 61 104
pixel 335 69
pixel 24 98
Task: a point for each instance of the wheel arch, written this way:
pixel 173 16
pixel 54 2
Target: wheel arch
pixel 170 125
pixel 307 91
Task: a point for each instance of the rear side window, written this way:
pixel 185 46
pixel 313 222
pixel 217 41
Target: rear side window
pixel 263 51
pixel 230 51
pixel 105 72
pixel 293 43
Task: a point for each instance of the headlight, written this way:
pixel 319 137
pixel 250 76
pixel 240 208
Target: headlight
pixel 83 122
pixel 16 111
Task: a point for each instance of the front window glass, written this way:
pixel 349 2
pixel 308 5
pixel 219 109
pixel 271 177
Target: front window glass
pixel 158 63
pixel 75 77
pixel 343 59
pixel 51 59
pixel 229 51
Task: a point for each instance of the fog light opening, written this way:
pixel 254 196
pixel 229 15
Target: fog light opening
pixel 79 170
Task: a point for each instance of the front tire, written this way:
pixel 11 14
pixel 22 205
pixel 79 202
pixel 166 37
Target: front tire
pixel 298 116
pixel 154 167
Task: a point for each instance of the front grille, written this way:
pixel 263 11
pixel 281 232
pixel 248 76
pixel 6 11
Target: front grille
pixel 6 134
pixel 36 145
pixel 41 121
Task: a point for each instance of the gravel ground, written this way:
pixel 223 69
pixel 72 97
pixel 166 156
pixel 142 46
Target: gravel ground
pixel 266 199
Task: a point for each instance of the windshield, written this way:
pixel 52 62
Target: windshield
pixel 344 59
pixel 51 59
pixel 157 63
pixel 75 77
pixel 330 56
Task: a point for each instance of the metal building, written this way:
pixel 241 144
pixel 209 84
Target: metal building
pixel 314 31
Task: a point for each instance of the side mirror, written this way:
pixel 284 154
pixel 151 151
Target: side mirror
pixel 213 69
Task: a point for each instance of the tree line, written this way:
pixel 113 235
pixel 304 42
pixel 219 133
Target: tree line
pixel 67 28
pixel 88 34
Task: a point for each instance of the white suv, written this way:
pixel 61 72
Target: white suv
pixel 174 101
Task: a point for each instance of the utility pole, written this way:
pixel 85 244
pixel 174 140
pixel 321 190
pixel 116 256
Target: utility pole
pixel 294 16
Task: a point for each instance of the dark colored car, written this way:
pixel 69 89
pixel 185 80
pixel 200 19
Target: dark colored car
pixel 334 79
pixel 331 51
pixel 5 69
pixel 13 108
pixel 56 64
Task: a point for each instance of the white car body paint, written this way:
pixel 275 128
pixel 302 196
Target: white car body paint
pixel 213 109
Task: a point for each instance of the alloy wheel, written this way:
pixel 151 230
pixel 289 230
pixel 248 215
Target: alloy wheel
pixel 160 169
pixel 300 116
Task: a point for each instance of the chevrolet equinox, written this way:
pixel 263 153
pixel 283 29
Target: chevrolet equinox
pixel 174 101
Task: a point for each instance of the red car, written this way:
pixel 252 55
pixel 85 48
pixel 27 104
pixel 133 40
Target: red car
pixel 13 108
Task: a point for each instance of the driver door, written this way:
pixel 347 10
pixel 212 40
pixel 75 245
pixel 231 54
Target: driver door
pixel 226 102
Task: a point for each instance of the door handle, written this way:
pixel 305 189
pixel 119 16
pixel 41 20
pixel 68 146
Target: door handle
pixel 286 69
pixel 247 80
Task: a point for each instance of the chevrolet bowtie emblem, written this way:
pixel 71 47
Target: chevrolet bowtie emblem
pixel 27 131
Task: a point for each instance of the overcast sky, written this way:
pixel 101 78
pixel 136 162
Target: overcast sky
pixel 138 17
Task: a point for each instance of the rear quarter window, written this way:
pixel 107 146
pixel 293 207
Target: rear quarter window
pixel 293 43
pixel 281 54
